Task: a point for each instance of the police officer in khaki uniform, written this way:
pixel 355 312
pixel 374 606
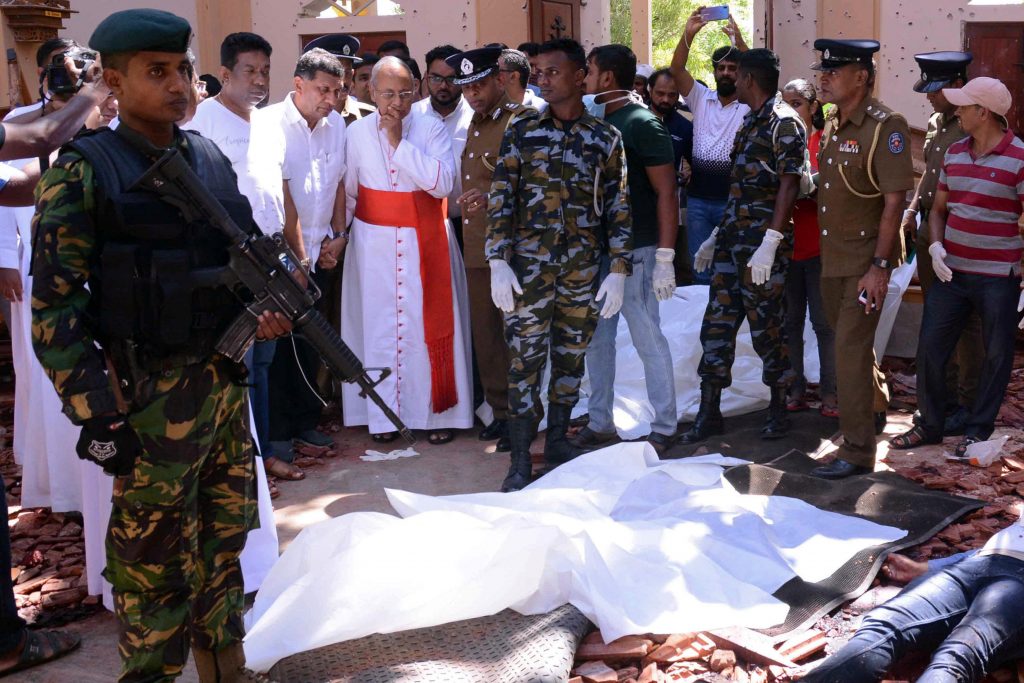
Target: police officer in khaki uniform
pixel 865 170
pixel 346 49
pixel 477 73
pixel 944 70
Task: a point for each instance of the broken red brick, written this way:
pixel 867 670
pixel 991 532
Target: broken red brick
pixel 722 660
pixel 803 645
pixel 626 648
pixel 596 672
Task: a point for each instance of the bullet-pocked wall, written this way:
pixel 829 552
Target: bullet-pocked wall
pixel 902 27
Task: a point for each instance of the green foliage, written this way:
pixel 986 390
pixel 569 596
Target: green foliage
pixel 668 19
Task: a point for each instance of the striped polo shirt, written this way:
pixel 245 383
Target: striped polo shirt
pixel 985 201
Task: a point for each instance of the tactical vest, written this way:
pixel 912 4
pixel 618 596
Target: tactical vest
pixel 159 280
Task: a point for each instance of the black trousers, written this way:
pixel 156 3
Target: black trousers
pixel 12 627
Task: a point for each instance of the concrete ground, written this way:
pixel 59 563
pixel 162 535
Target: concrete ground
pixel 466 465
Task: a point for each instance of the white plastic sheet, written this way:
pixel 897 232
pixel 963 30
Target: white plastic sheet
pixel 637 544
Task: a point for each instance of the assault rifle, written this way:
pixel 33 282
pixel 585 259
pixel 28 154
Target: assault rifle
pixel 264 277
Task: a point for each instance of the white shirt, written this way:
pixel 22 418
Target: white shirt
pixel 714 129
pixel 456 125
pixel 1009 541
pixel 258 178
pixel 531 99
pixel 312 162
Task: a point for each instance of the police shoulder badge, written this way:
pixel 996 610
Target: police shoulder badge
pixel 467 67
pixel 896 143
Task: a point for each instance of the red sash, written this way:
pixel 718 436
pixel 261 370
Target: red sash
pixel 426 214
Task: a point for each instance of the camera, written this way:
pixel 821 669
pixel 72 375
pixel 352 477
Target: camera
pixel 57 76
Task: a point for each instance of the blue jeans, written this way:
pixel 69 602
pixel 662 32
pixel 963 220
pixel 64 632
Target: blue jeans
pixel 702 216
pixel 258 361
pixel 947 309
pixel 968 616
pixel 803 292
pixel 640 309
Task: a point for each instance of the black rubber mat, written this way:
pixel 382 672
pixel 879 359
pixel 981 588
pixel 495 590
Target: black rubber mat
pixel 504 648
pixel 743 437
pixel 882 497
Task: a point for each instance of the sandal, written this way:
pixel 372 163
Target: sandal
pixel 912 438
pixel 829 411
pixel 795 404
pixel 961 448
pixel 283 470
pixel 384 437
pixel 274 491
pixel 42 646
pixel 438 437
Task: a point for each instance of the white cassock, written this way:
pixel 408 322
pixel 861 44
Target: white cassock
pixel 381 294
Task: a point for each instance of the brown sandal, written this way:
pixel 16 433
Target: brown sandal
pixel 283 470
pixel 42 646
pixel 912 438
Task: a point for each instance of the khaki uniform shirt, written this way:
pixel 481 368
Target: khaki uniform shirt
pixel 483 143
pixel 355 110
pixel 858 163
pixel 943 131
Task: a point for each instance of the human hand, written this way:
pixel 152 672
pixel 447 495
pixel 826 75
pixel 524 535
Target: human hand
pixel 93 84
pixel 664 276
pixel 706 252
pixel 902 570
pixel 11 287
pixel 731 29
pixel 612 291
pixel 110 442
pixel 875 285
pixel 938 253
pixel 472 202
pixel 272 325
pixel 693 25
pixel 909 223
pixel 503 284
pixel 760 263
pixel 391 124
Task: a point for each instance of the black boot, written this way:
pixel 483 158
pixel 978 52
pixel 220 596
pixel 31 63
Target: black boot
pixel 520 433
pixel 557 449
pixel 777 424
pixel 709 417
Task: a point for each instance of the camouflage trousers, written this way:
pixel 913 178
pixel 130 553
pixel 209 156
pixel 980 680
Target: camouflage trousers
pixel 733 296
pixel 555 312
pixel 179 522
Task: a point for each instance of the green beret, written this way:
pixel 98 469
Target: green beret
pixel 141 30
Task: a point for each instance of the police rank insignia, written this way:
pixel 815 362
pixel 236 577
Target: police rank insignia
pixel 896 143
pixel 850 147
pixel 346 50
pixel 467 67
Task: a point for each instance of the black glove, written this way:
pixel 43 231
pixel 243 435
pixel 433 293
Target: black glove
pixel 110 442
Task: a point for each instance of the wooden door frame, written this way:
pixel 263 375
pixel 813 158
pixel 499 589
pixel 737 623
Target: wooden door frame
pixel 538 32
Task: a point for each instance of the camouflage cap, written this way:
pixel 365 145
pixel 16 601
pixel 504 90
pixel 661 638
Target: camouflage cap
pixel 141 30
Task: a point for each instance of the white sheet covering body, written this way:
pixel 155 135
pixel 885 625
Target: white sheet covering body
pixel 637 544
pixel 381 295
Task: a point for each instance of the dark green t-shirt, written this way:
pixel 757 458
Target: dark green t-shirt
pixel 647 143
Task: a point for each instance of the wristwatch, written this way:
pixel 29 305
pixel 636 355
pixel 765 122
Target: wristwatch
pixel 882 263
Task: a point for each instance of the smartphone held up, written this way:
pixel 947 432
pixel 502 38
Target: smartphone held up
pixel 717 13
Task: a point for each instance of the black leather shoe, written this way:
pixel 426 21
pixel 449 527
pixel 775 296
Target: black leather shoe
pixel 955 423
pixel 839 469
pixel 503 445
pixel 495 430
pixel 880 421
pixel 589 440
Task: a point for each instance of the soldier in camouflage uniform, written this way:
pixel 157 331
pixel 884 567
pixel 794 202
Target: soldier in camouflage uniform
pixel 558 201
pixel 114 268
pixel 749 251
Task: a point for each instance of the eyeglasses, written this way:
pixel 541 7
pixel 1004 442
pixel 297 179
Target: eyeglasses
pixel 388 95
pixel 438 80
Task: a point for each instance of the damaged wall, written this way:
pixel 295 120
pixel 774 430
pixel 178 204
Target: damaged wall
pixel 903 27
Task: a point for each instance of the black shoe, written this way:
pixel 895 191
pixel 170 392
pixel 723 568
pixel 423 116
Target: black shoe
pixel 495 430
pixel 557 448
pixel 880 421
pixel 503 445
pixel 521 432
pixel 709 417
pixel 588 439
pixel 777 424
pixel 839 469
pixel 661 442
pixel 956 422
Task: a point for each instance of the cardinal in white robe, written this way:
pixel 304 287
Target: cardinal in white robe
pixel 404 304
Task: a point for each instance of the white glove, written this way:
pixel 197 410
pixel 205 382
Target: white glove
pixel 503 284
pixel 706 252
pixel 938 253
pixel 1020 307
pixel 612 291
pixel 664 276
pixel 760 263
